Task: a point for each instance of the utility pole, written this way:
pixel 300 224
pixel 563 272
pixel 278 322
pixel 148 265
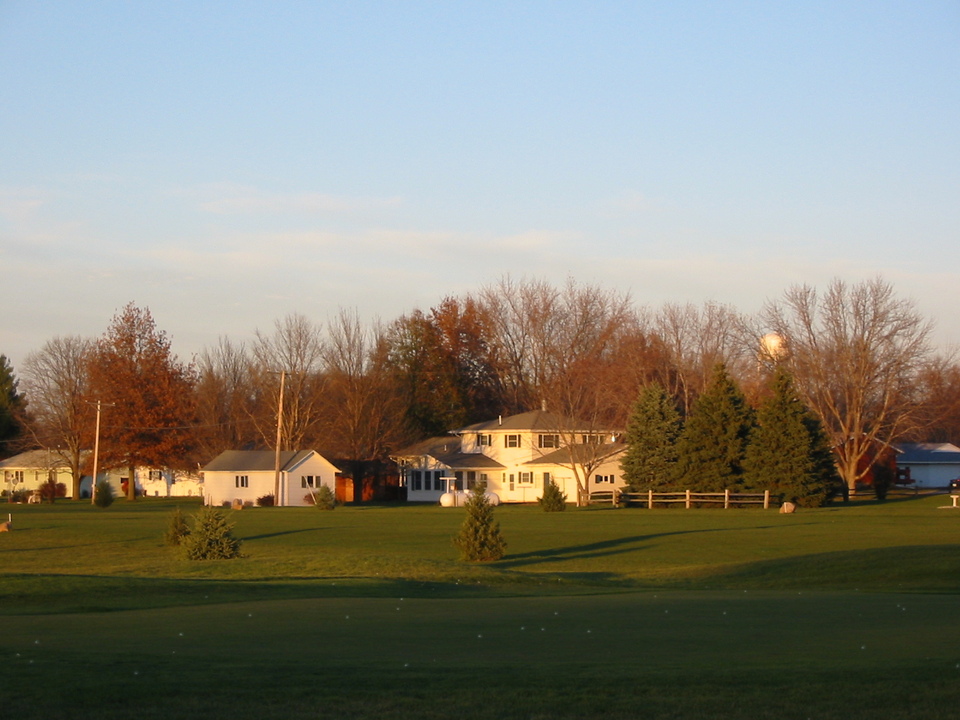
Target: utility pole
pixel 276 476
pixel 96 454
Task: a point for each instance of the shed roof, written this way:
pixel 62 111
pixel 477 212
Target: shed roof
pixel 927 454
pixel 255 460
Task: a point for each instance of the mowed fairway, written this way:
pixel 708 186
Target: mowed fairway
pixel 844 612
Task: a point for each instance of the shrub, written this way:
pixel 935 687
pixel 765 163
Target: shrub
pixel 553 500
pixel 265 501
pixel 103 497
pixel 211 538
pixel 177 530
pixel 479 539
pixel 51 490
pixel 323 498
pixel 20 496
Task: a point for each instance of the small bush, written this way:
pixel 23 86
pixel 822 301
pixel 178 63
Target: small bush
pixel 52 490
pixel 177 530
pixel 103 497
pixel 211 538
pixel 553 500
pixel 265 501
pixel 479 539
pixel 20 496
pixel 323 498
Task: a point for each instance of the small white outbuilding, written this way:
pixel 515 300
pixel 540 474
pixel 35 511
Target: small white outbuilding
pixel 245 476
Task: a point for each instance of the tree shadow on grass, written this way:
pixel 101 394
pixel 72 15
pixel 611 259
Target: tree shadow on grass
pixel 281 533
pixel 615 546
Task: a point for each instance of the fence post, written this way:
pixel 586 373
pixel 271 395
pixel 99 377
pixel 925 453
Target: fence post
pixel 650 499
pixel 726 498
pixel 688 499
pixel 766 499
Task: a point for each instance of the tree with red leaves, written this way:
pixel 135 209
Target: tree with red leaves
pixel 134 370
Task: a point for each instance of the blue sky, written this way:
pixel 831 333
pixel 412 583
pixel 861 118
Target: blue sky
pixel 228 163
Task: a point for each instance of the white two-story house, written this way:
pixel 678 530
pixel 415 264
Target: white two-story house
pixel 514 456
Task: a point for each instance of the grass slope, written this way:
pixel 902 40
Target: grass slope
pixel 846 611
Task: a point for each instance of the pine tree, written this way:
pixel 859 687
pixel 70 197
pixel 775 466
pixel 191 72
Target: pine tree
pixel 178 529
pixel 713 443
pixel 11 407
pixel 788 453
pixel 479 539
pixel 211 538
pixel 553 499
pixel 652 434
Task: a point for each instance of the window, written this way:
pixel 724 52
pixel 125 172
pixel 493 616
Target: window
pixel 242 481
pixel 156 475
pixel 591 439
pixel 511 441
pixel 526 478
pixel 471 479
pixel 18 476
pixel 417 480
pixel 548 441
pixel 598 479
pixel 306 481
pixel 484 439
pixel 546 479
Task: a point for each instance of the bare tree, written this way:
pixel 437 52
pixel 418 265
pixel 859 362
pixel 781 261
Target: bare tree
pixel 940 387
pixel 521 316
pixel 363 410
pixel 539 333
pixel 55 379
pixel 856 353
pixel 696 339
pixel 226 397
pixel 295 349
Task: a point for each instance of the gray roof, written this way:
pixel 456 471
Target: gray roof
pixel 927 454
pixel 446 451
pixel 254 460
pixel 580 453
pixel 40 459
pixel 539 420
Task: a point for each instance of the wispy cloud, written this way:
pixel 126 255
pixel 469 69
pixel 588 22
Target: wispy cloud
pixel 236 200
pixel 631 202
pixel 18 204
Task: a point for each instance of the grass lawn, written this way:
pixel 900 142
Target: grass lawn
pixel 842 612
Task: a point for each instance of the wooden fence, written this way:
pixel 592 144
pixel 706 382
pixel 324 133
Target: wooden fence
pixel 687 497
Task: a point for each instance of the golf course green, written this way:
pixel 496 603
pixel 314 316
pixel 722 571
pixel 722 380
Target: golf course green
pixel 848 611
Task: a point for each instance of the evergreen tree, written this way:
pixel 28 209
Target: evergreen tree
pixel 177 530
pixel 652 434
pixel 211 538
pixel 788 453
pixel 553 499
pixel 479 539
pixel 11 407
pixel 713 443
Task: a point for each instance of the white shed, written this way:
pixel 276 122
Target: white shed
pixel 247 475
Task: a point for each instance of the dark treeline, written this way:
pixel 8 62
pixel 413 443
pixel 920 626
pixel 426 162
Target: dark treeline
pixel 860 359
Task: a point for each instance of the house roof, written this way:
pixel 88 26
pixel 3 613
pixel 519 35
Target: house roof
pixel 927 454
pixel 539 420
pixel 430 446
pixel 39 459
pixel 581 454
pixel 446 451
pixel 255 460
